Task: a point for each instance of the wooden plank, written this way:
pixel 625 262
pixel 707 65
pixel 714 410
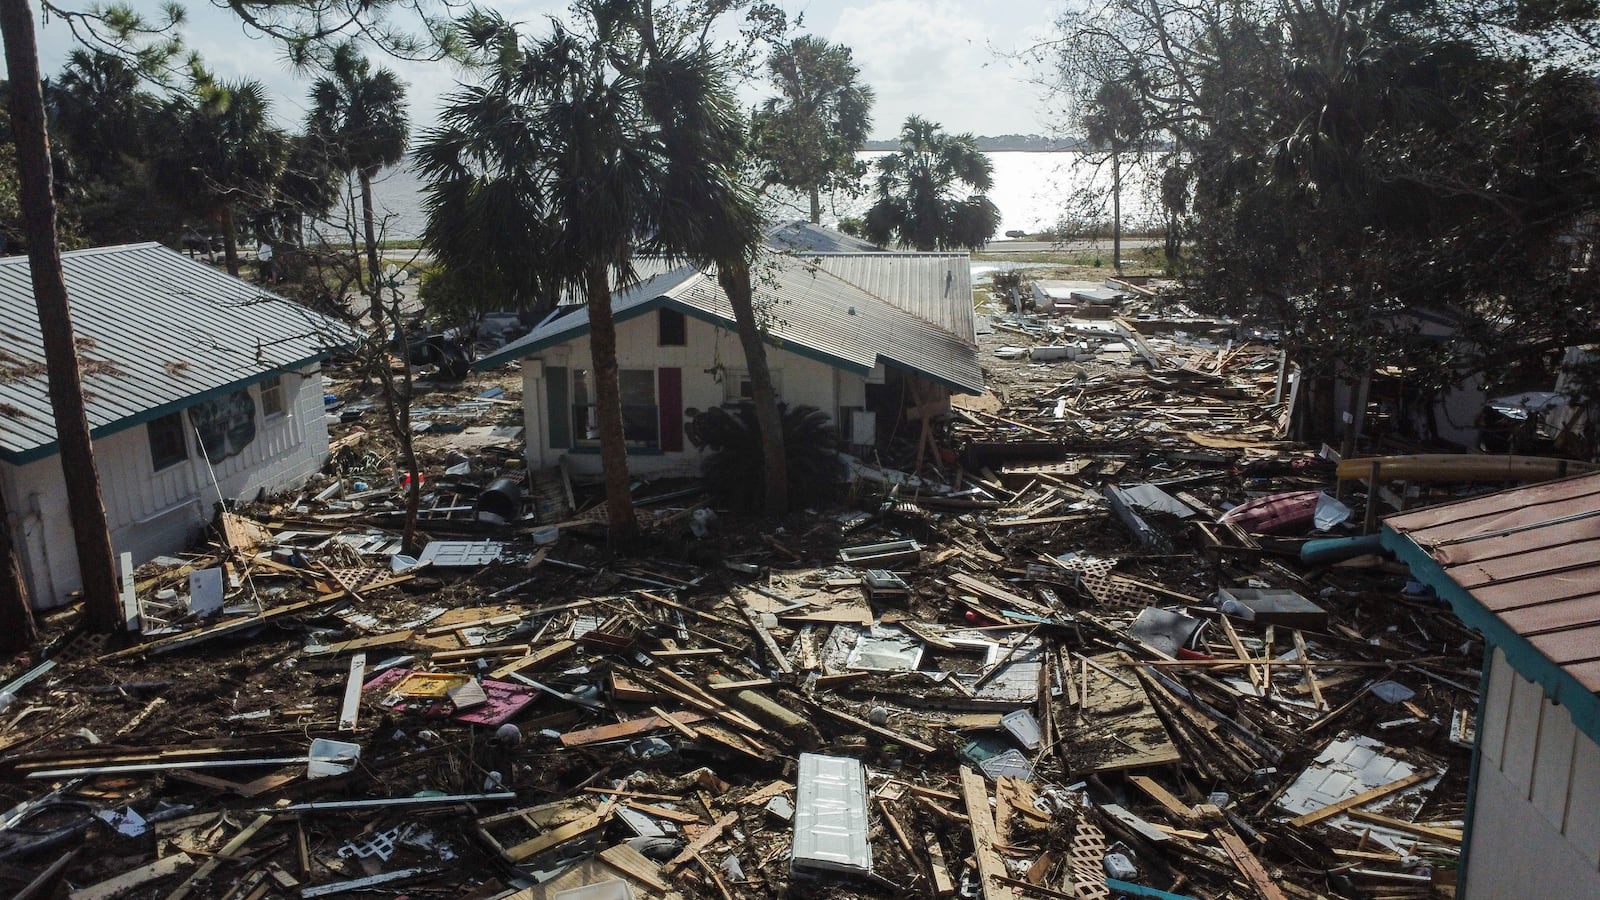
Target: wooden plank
pixel 779 658
pixel 127 881
pixel 227 851
pixel 1247 863
pixel 742 685
pixel 351 708
pixel 674 724
pixel 1310 671
pixel 389 639
pixel 943 885
pixel 705 839
pixel 627 729
pixel 1364 797
pixel 47 878
pixel 555 837
pixel 991 868
pixel 880 731
pixel 1133 823
pixel 537 658
pixel 1448 835
pixel 661 812
pixel 1162 796
pixel 636 866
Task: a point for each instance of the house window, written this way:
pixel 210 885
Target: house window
pixel 736 386
pixel 672 329
pixel 168 446
pixel 641 423
pixel 272 397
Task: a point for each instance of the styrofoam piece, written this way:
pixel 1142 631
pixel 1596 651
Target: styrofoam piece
pixel 830 819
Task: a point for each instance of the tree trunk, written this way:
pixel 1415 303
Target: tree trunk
pixel 816 206
pixel 230 241
pixel 17 631
pixel 371 235
pixel 1116 212
pixel 102 607
pixel 775 461
pixel 608 408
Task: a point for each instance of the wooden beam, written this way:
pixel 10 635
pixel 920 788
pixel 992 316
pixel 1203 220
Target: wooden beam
pixel 991 868
pixel 627 729
pixel 1163 796
pixel 223 855
pixel 536 658
pixel 1364 797
pixel 707 838
pixel 1247 863
pixel 351 708
pixel 127 881
pixel 1447 835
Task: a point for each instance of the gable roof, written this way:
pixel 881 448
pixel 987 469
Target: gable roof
pixel 156 332
pixel 1523 567
pixel 810 310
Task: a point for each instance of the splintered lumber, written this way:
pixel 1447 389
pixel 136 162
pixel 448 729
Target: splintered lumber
pixel 351 707
pixel 1362 798
pixel 47 878
pixel 1310 671
pixel 555 837
pixel 635 865
pixel 677 726
pixel 991 868
pixel 878 730
pixel 628 729
pixel 1128 734
pixel 1447 835
pixel 127 881
pixel 1247 863
pixel 1000 595
pixel 1163 796
pixel 779 658
pixel 943 885
pixel 707 838
pixel 188 639
pixel 537 658
pixel 228 850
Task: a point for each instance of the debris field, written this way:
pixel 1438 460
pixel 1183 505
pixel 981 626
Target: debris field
pixel 1119 637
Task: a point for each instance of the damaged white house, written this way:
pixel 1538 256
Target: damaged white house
pixel 199 387
pixel 863 336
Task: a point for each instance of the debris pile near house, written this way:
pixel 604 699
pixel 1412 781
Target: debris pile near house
pixel 1092 656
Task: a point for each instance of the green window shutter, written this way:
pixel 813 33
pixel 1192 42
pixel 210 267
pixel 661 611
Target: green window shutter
pixel 558 407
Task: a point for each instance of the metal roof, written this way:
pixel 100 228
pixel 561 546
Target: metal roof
pixel 809 310
pixel 1530 558
pixel 934 287
pixel 156 332
pixel 804 237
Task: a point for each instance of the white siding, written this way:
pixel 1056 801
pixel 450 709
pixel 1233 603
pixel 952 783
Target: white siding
pixel 805 382
pixel 1547 846
pixel 152 513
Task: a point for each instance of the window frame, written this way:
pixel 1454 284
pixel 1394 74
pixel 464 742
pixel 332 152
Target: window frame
pixel 634 415
pixel 165 428
pixel 663 316
pixel 734 380
pixel 274 386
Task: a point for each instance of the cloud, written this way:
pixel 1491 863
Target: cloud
pixel 935 59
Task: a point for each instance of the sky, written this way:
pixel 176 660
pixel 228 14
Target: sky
pixel 942 59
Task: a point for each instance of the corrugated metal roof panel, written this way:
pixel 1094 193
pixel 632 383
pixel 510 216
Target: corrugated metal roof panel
pixel 934 287
pixel 804 237
pixel 154 328
pixel 1531 557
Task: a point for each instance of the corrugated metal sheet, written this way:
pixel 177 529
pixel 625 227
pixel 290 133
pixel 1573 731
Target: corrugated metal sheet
pixel 1531 557
pixel 934 287
pixel 154 328
pixel 808 309
pixel 804 237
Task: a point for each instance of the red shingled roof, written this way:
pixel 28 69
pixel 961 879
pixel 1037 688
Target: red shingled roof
pixel 1531 556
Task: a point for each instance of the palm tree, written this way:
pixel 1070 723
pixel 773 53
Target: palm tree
pixel 918 203
pixel 102 111
pixel 579 153
pixel 807 137
pixel 224 151
pixel 1116 123
pixel 360 116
